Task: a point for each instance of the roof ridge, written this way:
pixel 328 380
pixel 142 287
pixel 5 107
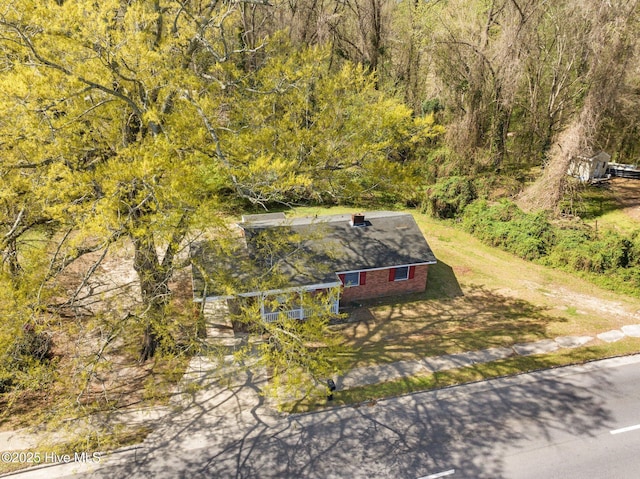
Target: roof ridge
pixel 302 220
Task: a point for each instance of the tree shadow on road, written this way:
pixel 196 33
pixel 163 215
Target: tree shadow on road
pixel 229 433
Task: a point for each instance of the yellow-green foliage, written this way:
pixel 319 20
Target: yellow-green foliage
pixel 24 342
pixel 606 257
pixel 299 356
pixel 309 132
pixel 142 122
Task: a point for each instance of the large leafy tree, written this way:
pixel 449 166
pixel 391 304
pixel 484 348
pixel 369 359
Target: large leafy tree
pixel 135 122
pixel 308 132
pixel 109 112
pixel 597 57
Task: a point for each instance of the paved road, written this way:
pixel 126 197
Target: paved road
pixel 552 424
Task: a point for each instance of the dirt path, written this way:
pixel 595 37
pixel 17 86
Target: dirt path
pixel 627 193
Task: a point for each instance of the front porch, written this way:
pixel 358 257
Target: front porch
pixel 300 304
pixel 300 313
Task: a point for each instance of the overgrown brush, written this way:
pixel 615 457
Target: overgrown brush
pixel 609 258
pixel 505 226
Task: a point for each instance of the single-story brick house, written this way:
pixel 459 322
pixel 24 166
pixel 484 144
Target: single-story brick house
pixel 349 257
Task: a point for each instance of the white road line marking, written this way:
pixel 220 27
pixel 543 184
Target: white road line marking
pixel 625 429
pixel 439 474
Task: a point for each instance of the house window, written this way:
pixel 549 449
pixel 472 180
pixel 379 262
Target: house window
pixel 401 273
pixel 350 280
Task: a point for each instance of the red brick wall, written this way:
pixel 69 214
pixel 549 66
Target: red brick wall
pixel 378 284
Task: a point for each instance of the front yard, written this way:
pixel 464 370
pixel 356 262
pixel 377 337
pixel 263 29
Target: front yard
pixel 479 297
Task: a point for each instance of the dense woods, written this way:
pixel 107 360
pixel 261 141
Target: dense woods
pixel 139 124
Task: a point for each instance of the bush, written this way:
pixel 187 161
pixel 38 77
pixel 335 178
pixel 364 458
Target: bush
pixel 504 225
pixel 22 355
pixel 633 253
pixel 584 251
pixel 612 259
pixel 36 345
pixel 6 380
pixel 449 197
pixel 567 243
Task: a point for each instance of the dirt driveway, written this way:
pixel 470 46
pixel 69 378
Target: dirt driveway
pixel 627 193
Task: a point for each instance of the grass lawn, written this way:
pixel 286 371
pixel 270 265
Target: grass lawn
pixel 611 206
pixel 478 297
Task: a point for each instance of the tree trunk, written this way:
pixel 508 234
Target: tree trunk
pixel 500 127
pixel 610 57
pixel 11 257
pixel 154 289
pixel 149 344
pixel 154 279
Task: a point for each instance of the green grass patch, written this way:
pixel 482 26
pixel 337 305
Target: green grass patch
pixel 591 202
pixel 616 220
pixel 600 208
pixel 572 310
pixel 609 258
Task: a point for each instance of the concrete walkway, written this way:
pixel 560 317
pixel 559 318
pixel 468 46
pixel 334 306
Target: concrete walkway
pixel 218 325
pixel 390 372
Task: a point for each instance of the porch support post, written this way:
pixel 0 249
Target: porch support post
pixel 301 306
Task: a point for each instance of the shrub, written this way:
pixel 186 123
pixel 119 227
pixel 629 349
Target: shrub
pixel 633 253
pixel 22 356
pixel 449 197
pixel 36 345
pixel 568 241
pixel 584 251
pixel 504 225
pixel 611 258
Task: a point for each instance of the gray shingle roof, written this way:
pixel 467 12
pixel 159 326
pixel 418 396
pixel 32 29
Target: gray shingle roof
pixel 311 250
